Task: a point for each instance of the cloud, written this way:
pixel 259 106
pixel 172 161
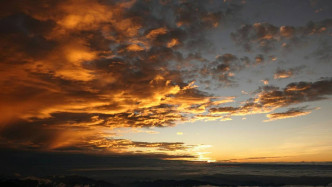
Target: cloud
pixel 179 133
pixel 290 113
pixel 224 68
pixel 223 110
pixel 252 158
pixel 260 33
pixel 270 98
pixel 282 73
pixel 73 72
pixel 211 117
pixel 266 37
pixel 265 81
pixel 259 59
pixel 295 93
pixel 120 145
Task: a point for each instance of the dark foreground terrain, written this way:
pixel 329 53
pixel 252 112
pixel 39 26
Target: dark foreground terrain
pixel 212 180
pixel 63 170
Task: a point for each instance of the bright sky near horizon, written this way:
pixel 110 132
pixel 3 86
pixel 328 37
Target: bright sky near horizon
pixel 230 81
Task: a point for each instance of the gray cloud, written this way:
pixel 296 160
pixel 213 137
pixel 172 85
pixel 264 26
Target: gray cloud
pixel 290 113
pixel 266 37
pixel 270 98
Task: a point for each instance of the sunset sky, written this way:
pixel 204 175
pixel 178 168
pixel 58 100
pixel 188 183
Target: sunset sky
pixel 205 80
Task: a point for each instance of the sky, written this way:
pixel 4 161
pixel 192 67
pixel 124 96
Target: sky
pixel 214 80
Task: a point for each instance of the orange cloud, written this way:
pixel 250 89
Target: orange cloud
pixel 79 70
pixel 282 74
pixel 73 72
pixel 135 47
pixel 156 32
pixel 173 43
pixel 265 82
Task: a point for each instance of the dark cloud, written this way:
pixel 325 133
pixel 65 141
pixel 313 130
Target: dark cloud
pixel 266 37
pixel 81 133
pixel 222 110
pixel 29 33
pixel 259 59
pixel 295 93
pixel 270 98
pixel 106 145
pixel 224 68
pixel 259 33
pixel 226 65
pixel 290 113
pixel 222 71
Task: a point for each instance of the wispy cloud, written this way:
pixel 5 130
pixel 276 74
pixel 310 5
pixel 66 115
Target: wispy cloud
pixel 290 113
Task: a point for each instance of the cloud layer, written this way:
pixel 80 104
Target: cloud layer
pixel 71 72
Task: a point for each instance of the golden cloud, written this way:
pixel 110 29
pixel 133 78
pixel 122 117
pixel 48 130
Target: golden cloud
pixel 76 71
